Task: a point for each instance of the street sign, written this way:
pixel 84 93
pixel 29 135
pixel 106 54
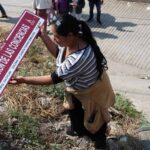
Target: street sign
pixel 16 45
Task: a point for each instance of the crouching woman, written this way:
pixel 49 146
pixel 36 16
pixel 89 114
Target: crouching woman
pixel 82 67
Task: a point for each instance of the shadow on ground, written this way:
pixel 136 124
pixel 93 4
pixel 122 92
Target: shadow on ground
pixel 109 21
pixel 141 1
pixel 10 20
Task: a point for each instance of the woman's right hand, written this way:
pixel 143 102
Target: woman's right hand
pixel 50 44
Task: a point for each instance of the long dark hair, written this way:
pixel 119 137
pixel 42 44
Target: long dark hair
pixel 67 23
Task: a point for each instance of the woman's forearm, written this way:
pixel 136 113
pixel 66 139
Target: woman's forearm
pixel 34 80
pixel 38 80
pixel 51 46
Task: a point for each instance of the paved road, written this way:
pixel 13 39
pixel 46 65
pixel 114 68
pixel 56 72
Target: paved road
pixel 124 38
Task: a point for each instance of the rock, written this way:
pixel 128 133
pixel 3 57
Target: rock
pixel 144 135
pixel 112 144
pixel 44 101
pixel 2 109
pixel 124 142
pixel 13 121
pixel 82 143
pixel 114 128
pixel 4 145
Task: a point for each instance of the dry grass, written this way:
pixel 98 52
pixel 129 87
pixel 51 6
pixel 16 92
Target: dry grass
pixel 25 99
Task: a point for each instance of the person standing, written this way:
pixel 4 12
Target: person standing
pixel 62 7
pixel 97 3
pixel 4 15
pixel 82 67
pixel 75 8
pixel 51 12
pixel 41 9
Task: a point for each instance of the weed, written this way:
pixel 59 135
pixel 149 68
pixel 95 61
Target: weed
pixel 55 147
pixel 126 106
pixel 21 129
pixel 24 127
pixel 53 90
pixel 35 49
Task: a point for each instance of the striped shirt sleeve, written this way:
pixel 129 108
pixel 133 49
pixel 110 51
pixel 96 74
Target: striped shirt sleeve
pixel 78 70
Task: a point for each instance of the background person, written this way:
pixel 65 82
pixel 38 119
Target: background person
pixel 97 3
pixel 75 7
pixel 41 9
pixel 51 12
pixel 3 12
pixel 82 67
pixel 61 6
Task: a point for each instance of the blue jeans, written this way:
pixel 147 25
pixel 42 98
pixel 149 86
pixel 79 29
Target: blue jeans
pixel 97 3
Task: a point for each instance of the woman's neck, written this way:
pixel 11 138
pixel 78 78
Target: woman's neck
pixel 76 45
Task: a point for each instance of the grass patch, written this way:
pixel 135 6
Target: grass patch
pixel 21 127
pixel 54 90
pixel 126 106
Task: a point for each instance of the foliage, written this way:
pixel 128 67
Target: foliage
pixel 54 90
pixel 126 106
pixel 21 127
pixel 24 127
pixel 55 147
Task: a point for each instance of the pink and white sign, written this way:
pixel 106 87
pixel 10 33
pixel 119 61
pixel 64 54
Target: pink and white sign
pixel 17 44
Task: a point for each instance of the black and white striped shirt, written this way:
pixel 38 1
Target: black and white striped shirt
pixel 78 70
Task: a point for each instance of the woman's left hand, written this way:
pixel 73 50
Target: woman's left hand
pixel 17 80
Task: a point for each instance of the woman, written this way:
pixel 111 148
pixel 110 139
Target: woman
pixel 82 67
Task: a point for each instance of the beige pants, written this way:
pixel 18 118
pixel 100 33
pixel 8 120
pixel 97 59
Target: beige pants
pixel 95 101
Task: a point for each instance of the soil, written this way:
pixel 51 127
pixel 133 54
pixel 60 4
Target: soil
pixel 54 122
